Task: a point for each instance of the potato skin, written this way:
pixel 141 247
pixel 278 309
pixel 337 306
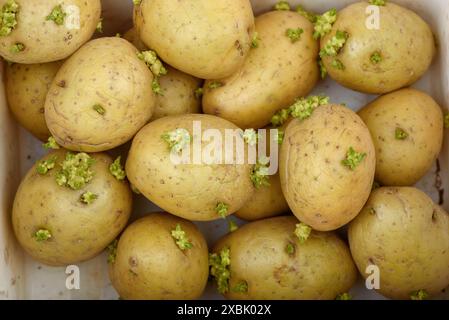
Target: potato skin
pixel 272 77
pixel 207 39
pixel 104 72
pixel 404 162
pixel 190 191
pixel 45 41
pixel 406 235
pixel 150 266
pixel 26 90
pixel 319 189
pixel 79 231
pixel 321 268
pixel 404 41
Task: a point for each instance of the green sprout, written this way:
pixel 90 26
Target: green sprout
pixel 88 197
pixel 8 17
pixel 250 137
pixel 181 239
pixel 255 41
pixel 446 121
pixel 215 85
pixel 290 249
pixel 116 169
pixel 219 269
pixel 376 57
pixel 280 136
pixel 112 251
pixel 99 109
pixel 323 70
pixel 294 34
pixel 57 15
pixel 42 235
pixel 303 232
pixel 222 209
pixel 75 171
pixel 280 117
pixel 99 27
pixel 259 173
pixel 419 295
pixel 152 61
pixel 282 6
pixel 16 48
pixel 46 165
pixel 335 44
pixel 353 158
pixel 308 15
pixel 51 144
pixel 344 296
pixel 324 22
pixel 232 225
pixel 156 87
pixel 118 35
pixel 400 134
pixel 137 2
pixel 304 107
pixel 378 2
pixel 177 139
pixel 199 93
pixel 241 287
pixel 337 64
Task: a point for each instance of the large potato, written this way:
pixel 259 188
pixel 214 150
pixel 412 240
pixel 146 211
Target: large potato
pixel 46 30
pixel 207 39
pixel 191 191
pixel 407 130
pixel 70 214
pixel 327 165
pixel 404 234
pixel 149 264
pixel 100 97
pixel 275 73
pixel 267 261
pixel 26 89
pixel 379 60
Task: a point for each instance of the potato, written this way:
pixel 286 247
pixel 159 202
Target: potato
pixel 188 190
pixel 272 77
pixel 100 97
pixel 407 130
pixel 46 30
pixel 149 263
pixel 403 233
pixel 267 261
pixel 132 36
pixel 63 216
pixel 207 39
pixel 379 60
pixel 327 165
pixel 178 95
pixel 26 89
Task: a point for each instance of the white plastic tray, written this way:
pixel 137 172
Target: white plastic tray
pixel 23 278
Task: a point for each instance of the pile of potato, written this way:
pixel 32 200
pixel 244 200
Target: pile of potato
pixel 340 172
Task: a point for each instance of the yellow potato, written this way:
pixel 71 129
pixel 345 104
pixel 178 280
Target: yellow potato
pixel 100 97
pixel 26 89
pixel 78 230
pixel 403 233
pixel 267 259
pixel 275 73
pixel 380 60
pixel 188 190
pixel 150 265
pixel 323 188
pixel 407 130
pixel 35 38
pixel 207 39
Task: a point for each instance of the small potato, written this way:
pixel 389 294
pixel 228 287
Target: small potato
pixel 407 130
pixel 403 233
pixel 150 265
pixel 188 190
pixel 26 89
pixel 62 217
pixel 327 165
pixel 275 73
pixel 100 97
pixel 268 262
pixel 46 30
pixel 380 60
pixel 207 39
